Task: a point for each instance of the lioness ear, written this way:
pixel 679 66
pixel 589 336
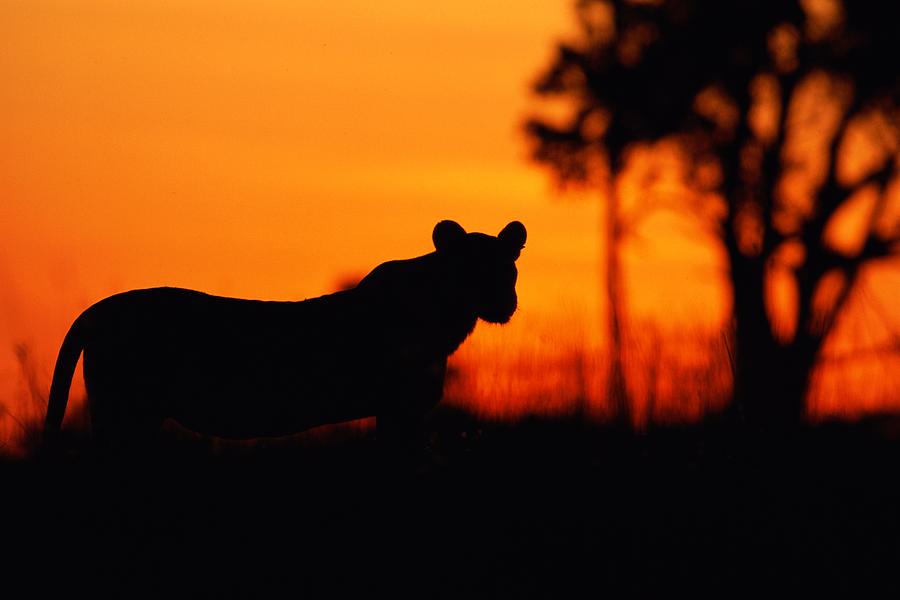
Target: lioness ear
pixel 447 235
pixel 513 235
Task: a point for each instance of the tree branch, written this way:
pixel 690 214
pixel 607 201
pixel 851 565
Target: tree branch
pixel 772 164
pixel 831 193
pixel 874 247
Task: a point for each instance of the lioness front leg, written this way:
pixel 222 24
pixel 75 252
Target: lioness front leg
pixel 399 433
pixel 399 424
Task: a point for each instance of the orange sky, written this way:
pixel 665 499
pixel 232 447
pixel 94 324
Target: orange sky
pixel 263 148
pixel 269 149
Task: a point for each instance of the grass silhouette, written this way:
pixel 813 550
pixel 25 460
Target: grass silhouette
pixel 539 508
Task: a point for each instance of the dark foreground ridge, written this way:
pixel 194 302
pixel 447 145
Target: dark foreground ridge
pixel 541 509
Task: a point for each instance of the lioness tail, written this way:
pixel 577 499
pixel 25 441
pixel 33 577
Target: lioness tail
pixel 69 352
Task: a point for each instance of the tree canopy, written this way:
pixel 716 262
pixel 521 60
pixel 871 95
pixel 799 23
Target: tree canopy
pixel 793 106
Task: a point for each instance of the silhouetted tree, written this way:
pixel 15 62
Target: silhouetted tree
pixel 786 112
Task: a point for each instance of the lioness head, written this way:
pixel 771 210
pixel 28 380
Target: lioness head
pixel 483 267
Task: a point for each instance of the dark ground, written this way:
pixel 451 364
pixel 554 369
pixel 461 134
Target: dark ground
pixel 540 509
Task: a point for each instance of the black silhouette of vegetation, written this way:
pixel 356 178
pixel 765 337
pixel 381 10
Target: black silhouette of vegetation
pixel 770 103
pixel 537 509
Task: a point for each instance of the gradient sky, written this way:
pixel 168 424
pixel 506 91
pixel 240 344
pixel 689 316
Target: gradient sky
pixel 263 149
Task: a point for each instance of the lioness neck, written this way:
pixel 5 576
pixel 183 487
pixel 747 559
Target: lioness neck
pixel 415 301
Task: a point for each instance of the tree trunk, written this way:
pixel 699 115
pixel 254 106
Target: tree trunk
pixel 617 393
pixel 771 379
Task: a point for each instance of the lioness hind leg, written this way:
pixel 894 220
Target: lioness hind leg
pixel 120 428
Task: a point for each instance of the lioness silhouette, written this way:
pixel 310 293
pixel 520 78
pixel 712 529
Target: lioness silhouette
pixel 242 369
